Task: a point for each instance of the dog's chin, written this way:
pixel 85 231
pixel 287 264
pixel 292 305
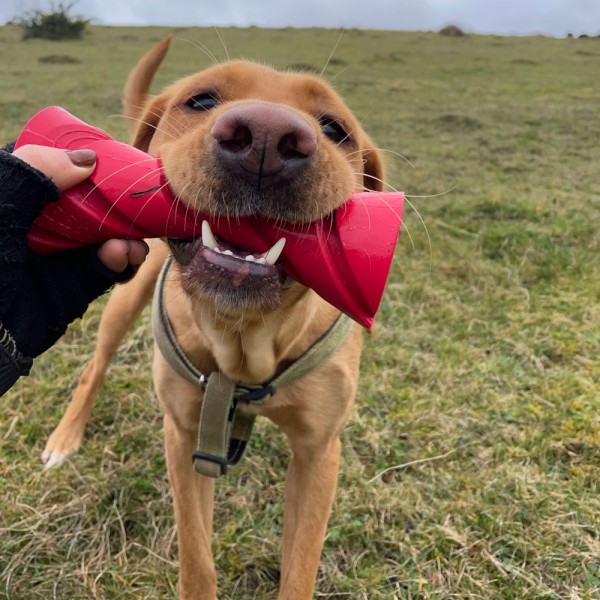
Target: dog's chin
pixel 229 277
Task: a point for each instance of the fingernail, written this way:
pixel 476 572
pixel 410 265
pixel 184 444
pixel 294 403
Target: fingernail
pixel 82 158
pixel 146 247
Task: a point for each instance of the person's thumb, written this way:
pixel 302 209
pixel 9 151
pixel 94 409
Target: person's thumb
pixel 66 168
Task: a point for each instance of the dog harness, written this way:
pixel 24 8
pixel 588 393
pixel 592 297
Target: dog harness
pixel 226 417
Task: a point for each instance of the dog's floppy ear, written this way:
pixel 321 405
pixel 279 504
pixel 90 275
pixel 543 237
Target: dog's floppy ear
pixel 148 123
pixel 374 170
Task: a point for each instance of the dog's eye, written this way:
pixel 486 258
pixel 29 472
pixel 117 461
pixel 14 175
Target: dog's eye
pixel 333 130
pixel 202 102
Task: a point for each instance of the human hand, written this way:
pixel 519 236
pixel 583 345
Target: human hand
pixel 41 294
pixel 68 168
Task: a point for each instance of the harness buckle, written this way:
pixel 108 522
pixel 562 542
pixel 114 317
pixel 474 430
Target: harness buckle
pixel 257 394
pixel 218 460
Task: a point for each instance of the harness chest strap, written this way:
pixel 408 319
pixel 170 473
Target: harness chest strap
pixel 225 423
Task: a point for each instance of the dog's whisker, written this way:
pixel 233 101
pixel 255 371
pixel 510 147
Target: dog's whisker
pixel 123 193
pixel 333 51
pixel 360 153
pixel 178 201
pixel 404 225
pixel 193 206
pixel 394 153
pixel 222 40
pixel 433 195
pixel 158 128
pixel 163 118
pixel 148 201
pixel 204 49
pixel 338 74
pixel 406 229
pixel 115 173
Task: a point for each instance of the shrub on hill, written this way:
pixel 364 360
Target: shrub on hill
pixel 57 24
pixel 452 30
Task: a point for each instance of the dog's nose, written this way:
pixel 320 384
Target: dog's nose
pixel 263 143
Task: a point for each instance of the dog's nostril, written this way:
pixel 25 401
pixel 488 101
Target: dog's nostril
pixel 289 147
pixel 239 141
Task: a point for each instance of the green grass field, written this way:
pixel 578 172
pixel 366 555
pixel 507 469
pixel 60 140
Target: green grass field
pixel 471 464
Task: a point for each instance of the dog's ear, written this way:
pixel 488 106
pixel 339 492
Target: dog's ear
pixel 374 170
pixel 148 123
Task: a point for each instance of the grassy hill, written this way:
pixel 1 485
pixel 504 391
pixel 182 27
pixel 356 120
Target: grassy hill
pixel 472 462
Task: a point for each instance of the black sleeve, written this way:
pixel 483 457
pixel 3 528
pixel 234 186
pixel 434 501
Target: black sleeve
pixel 12 363
pixel 39 294
pixel 24 191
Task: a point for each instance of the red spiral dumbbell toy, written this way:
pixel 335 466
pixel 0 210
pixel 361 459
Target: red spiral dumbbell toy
pixel 345 258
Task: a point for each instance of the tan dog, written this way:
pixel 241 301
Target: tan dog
pixel 240 139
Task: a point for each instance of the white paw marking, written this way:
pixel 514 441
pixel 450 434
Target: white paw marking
pixel 53 459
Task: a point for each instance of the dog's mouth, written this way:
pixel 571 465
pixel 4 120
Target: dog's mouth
pixel 232 257
pixel 231 276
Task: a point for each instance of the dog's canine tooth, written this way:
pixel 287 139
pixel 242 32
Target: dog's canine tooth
pixel 208 239
pixel 275 252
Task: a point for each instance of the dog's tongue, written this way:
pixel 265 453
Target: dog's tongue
pixel 239 269
pixel 240 264
pixel 239 272
pixel 344 258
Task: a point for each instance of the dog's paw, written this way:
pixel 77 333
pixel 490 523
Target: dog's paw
pixel 53 458
pixel 58 447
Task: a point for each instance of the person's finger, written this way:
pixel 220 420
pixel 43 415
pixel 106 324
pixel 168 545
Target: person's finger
pixel 118 254
pixel 65 167
pixel 138 250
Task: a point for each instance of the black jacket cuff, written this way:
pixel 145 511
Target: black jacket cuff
pixel 12 363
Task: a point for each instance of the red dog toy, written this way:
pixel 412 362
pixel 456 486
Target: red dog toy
pixel 345 258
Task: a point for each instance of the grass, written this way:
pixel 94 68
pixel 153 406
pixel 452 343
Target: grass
pixel 471 464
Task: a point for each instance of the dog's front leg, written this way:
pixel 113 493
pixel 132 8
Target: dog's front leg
pixel 310 489
pixel 193 498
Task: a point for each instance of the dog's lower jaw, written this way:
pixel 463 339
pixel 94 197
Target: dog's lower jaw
pixel 233 292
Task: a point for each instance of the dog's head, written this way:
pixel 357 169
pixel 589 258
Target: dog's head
pixel 242 139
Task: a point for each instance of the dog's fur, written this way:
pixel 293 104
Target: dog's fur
pixel 247 332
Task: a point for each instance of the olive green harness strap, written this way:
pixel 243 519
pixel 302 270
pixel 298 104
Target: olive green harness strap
pixel 225 419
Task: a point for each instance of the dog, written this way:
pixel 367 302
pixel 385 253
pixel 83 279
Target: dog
pixel 241 139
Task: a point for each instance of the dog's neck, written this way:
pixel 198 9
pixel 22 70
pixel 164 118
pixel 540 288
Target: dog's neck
pixel 252 347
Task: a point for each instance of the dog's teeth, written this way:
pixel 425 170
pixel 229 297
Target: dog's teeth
pixel 275 252
pixel 269 258
pixel 261 260
pixel 208 239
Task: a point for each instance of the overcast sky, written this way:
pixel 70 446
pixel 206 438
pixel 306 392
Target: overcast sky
pixel 522 17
